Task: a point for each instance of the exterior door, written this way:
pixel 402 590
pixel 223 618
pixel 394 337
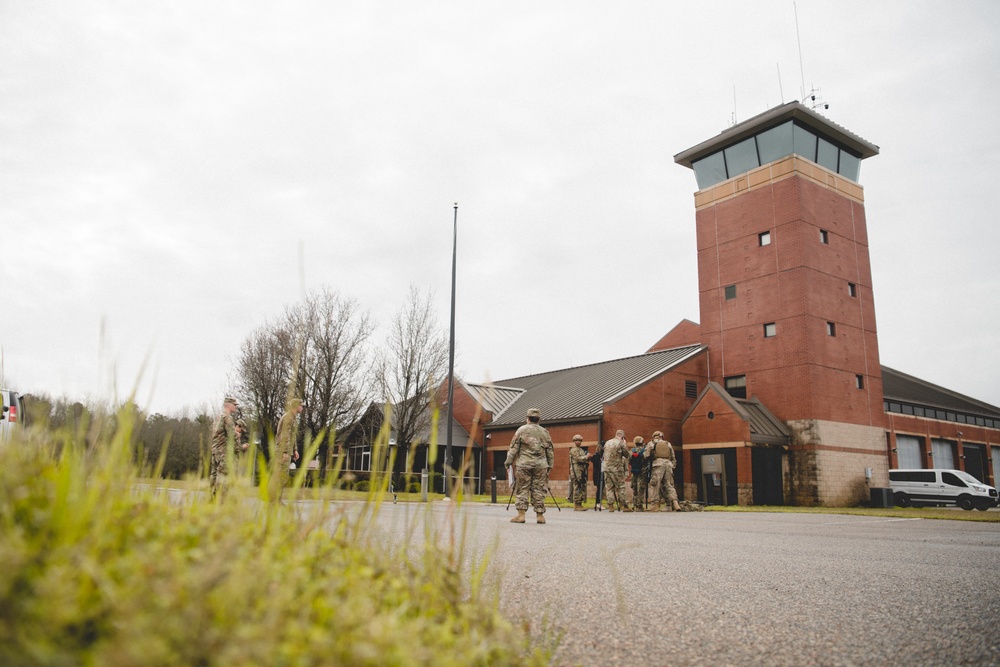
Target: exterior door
pixel 767 478
pixel 975 461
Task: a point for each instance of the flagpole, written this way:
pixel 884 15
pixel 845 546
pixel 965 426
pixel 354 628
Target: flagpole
pixel 451 355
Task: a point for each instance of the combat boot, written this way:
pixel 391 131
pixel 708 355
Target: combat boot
pixel 539 517
pixel 655 507
pixel 579 508
pixel 627 509
pixel 519 518
pixel 677 507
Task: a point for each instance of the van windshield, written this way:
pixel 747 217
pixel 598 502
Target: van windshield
pixel 969 479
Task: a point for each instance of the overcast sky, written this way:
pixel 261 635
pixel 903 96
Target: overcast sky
pixel 173 174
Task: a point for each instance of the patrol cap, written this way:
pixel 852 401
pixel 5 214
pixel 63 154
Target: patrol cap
pixel 577 437
pixel 230 399
pixel 534 412
pixel 657 433
pixel 637 440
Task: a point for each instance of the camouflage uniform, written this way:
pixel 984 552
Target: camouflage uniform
pixel 223 438
pixel 578 462
pixel 532 452
pixel 637 465
pixel 615 457
pixel 284 448
pixel 661 479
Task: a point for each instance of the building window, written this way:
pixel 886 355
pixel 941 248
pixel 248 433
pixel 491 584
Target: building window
pixel 831 329
pixel 824 236
pixel 764 238
pixel 769 330
pixel 730 292
pixel 736 386
pixel 690 389
pixel 859 381
pixel 852 289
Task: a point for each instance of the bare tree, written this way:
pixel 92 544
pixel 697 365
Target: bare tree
pixel 413 362
pixel 318 352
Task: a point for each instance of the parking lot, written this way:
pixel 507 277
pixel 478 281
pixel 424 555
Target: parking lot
pixel 718 588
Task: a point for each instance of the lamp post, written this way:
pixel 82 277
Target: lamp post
pixel 451 355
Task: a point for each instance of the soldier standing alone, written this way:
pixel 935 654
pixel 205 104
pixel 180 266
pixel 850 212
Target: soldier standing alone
pixel 661 479
pixel 578 462
pixel 615 457
pixel 284 449
pixel 223 438
pixel 532 452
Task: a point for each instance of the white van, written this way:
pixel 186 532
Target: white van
pixel 940 487
pixel 11 412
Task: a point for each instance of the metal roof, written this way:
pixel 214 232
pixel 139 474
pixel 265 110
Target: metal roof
pixel 772 118
pixel 765 428
pixel 905 388
pixel 492 397
pixel 582 392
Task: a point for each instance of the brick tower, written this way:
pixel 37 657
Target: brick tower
pixel 785 292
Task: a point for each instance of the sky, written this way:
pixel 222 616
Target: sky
pixel 175 174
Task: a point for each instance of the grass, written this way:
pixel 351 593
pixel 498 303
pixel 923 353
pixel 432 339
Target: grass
pixel 102 568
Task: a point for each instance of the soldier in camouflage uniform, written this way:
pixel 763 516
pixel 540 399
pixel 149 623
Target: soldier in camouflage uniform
pixel 661 479
pixel 532 452
pixel 637 467
pixel 616 454
pixel 242 444
pixel 578 462
pixel 223 439
pixel 284 449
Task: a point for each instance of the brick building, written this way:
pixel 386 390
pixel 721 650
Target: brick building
pixel 777 396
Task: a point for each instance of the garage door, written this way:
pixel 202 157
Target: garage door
pixel 908 451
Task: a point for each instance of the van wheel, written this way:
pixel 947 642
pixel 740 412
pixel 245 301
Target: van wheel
pixel 901 499
pixel 966 503
pixel 983 505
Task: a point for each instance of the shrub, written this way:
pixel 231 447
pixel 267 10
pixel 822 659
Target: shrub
pixel 362 486
pixel 100 569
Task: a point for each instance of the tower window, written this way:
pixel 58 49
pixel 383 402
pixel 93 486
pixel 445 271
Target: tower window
pixel 730 292
pixel 859 381
pixel 736 386
pixel 769 330
pixel 831 329
pixel 824 236
pixel 852 289
pixel 764 238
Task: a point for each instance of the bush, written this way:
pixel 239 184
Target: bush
pixel 362 486
pixel 100 569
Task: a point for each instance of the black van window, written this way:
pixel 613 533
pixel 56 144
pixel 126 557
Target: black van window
pixel 951 480
pixel 911 476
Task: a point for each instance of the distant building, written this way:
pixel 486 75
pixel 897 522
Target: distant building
pixel 778 395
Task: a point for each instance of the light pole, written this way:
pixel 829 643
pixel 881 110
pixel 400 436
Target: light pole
pixel 451 355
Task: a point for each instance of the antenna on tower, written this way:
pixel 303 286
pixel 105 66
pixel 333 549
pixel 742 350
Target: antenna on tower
pixel 814 100
pixel 781 91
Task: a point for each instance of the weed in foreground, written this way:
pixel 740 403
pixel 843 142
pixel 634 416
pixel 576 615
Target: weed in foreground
pixel 100 570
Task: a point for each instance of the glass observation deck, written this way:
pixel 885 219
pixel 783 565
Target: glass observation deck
pixel 782 131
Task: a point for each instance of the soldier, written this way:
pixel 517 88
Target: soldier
pixel 284 449
pixel 661 479
pixel 578 462
pixel 242 444
pixel 532 452
pixel 637 466
pixel 616 454
pixel 223 439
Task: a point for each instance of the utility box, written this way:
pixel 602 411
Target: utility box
pixel 881 497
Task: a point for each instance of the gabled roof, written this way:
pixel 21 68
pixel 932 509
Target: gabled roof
pixel 492 397
pixel 765 428
pixel 905 388
pixel 582 392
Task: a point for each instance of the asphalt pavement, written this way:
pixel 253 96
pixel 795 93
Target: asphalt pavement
pixel 717 588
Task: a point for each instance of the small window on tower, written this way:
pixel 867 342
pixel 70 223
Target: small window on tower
pixel 769 330
pixel 730 292
pixel 736 386
pixel 824 236
pixel 859 381
pixel 852 289
pixel 831 329
pixel 764 238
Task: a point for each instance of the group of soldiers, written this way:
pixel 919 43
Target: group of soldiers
pixel 231 441
pixel 649 467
